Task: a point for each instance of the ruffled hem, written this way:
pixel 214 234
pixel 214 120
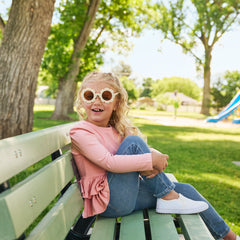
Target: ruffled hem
pixel 93 186
pixel 95 192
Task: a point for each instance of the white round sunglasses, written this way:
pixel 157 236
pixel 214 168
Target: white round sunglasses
pixel 106 95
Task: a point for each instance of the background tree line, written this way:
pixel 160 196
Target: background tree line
pixel 74 45
pixel 223 88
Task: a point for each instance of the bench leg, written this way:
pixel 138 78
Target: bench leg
pixel 80 229
pixel 4 186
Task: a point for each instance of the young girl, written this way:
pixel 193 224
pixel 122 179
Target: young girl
pixel 119 172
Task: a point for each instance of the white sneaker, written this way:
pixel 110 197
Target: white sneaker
pixel 182 205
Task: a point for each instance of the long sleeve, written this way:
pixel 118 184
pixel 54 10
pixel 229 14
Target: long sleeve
pixel 99 148
pixel 94 150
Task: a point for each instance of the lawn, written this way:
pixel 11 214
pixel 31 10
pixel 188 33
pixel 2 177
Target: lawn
pixel 202 157
pixel 153 112
pixel 199 156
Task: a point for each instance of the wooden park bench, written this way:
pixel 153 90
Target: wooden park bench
pixel 46 203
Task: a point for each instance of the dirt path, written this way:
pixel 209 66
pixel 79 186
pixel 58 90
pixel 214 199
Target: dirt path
pixel 188 122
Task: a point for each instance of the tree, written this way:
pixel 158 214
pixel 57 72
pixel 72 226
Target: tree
pixel 186 24
pixel 115 21
pixel 183 85
pixel 147 87
pixel 2 26
pixel 122 69
pixel 224 89
pixel 163 101
pixel 67 82
pixel 130 87
pixel 60 46
pixel 24 39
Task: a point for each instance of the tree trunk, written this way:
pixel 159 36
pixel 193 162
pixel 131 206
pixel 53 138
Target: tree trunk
pixel 2 25
pixel 21 51
pixel 71 99
pixel 64 91
pixel 62 102
pixel 207 79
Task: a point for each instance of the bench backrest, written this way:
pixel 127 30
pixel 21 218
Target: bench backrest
pixel 21 204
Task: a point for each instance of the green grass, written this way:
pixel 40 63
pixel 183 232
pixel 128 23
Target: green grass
pixel 153 112
pixel 202 157
pixel 199 156
pixel 42 114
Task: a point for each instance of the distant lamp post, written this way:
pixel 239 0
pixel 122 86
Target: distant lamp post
pixel 175 104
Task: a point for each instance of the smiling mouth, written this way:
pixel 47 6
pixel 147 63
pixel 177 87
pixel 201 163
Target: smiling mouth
pixel 97 110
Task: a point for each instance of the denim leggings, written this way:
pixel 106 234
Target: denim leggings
pixel 129 192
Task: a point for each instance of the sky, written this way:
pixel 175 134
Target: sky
pixel 147 60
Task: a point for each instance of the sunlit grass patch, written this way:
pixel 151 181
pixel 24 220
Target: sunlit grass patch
pixel 204 158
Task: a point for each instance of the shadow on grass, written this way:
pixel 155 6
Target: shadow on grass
pixel 208 150
pixel 203 158
pixel 176 129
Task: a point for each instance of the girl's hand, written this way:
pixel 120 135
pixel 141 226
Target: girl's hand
pixel 159 160
pixel 150 173
pixel 159 163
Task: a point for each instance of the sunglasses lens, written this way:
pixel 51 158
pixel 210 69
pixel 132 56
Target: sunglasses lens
pixel 88 95
pixel 107 95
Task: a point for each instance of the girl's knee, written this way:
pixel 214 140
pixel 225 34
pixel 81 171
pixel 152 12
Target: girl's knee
pixel 133 138
pixel 137 144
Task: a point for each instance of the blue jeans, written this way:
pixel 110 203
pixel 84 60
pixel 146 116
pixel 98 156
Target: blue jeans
pixel 129 192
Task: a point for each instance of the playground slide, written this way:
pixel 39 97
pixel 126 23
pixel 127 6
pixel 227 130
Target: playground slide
pixel 235 102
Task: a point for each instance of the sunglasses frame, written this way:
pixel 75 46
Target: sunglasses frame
pixel 98 94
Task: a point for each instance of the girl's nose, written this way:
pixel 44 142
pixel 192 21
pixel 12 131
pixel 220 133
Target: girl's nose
pixel 97 99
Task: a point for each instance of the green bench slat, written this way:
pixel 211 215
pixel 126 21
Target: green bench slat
pixel 162 226
pixel 132 227
pixel 18 153
pixel 194 228
pixel 171 177
pixel 40 188
pixel 58 221
pixel 104 229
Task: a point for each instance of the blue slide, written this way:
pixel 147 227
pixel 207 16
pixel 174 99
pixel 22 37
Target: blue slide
pixel 235 102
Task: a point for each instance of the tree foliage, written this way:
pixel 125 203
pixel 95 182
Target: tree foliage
pixel 225 88
pixel 122 69
pixel 119 20
pixel 183 85
pixel 130 87
pixel 147 87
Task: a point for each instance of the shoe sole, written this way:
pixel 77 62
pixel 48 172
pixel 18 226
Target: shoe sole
pixel 182 211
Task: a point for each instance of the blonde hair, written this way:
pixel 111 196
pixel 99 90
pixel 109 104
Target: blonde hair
pixel 119 118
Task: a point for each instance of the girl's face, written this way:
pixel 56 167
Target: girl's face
pixel 97 109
